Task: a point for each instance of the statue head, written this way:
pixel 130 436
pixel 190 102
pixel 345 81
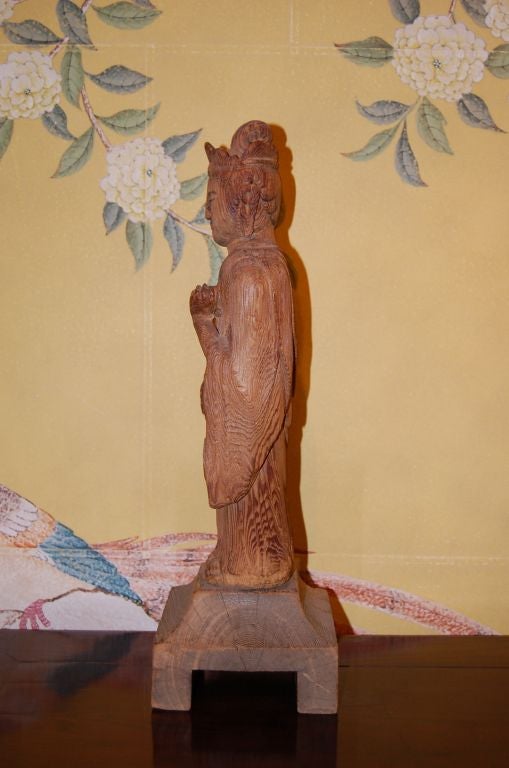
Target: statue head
pixel 244 191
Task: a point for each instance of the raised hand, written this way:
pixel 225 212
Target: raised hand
pixel 203 300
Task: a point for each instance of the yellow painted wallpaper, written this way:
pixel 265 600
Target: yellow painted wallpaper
pixel 391 121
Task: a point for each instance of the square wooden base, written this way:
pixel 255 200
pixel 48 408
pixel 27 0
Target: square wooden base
pixel 284 629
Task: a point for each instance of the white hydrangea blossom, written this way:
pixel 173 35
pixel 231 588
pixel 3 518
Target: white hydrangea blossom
pixel 141 179
pixel 439 58
pixel 29 85
pixel 6 9
pixel 498 18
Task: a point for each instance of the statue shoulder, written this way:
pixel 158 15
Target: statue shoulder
pixel 255 261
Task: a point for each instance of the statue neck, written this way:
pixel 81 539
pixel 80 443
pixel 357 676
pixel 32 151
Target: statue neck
pixel 262 239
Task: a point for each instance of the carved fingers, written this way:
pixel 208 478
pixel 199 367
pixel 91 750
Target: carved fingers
pixel 203 300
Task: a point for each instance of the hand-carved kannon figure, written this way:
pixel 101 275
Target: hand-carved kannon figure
pixel 245 328
pixel 247 610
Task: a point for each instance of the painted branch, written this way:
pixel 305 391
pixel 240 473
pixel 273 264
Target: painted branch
pixel 58 47
pixel 93 119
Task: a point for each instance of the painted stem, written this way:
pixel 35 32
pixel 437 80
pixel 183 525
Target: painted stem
pixel 187 223
pixel 405 116
pixel 84 96
pixel 93 119
pixel 58 47
pixel 451 10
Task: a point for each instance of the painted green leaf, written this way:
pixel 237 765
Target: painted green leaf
pixel 113 216
pixel 372 52
pixel 375 145
pixel 476 9
pixel 405 10
pixel 120 79
pixel 72 75
pixel 175 238
pixel 139 238
pixel 430 124
pixel 73 22
pixel 383 112
pixel 193 187
pixel 216 258
pixel 498 61
pixel 56 123
pixel 76 155
pixel 130 121
pixel 125 15
pixel 177 146
pixel 406 162
pixel 30 32
pixel 6 127
pixel 474 111
pixel 144 3
pixel 200 217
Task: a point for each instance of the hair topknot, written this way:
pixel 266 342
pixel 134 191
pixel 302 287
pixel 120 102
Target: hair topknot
pixel 251 144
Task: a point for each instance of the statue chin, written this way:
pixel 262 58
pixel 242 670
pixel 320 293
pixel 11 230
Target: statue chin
pixel 221 239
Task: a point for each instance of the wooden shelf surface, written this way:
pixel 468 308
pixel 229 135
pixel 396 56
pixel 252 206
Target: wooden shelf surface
pixel 73 699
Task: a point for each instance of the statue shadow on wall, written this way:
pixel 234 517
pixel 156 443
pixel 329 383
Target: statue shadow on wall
pixel 302 310
pixel 303 333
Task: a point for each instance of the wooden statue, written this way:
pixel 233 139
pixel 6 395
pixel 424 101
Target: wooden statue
pixel 245 328
pixel 247 609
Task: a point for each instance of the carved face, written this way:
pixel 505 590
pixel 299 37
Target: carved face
pixel 222 222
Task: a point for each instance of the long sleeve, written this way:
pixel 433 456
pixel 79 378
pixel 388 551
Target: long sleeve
pixel 248 380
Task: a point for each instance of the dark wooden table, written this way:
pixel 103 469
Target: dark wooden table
pixel 72 699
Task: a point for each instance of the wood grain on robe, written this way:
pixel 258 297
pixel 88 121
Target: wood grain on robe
pixel 246 400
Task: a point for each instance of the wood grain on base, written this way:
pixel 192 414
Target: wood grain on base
pixel 284 629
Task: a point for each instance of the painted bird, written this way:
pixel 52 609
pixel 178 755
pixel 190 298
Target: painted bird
pixel 39 537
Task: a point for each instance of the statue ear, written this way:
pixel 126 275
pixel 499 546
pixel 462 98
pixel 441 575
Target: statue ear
pixel 249 199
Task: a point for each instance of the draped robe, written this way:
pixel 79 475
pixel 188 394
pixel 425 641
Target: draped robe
pixel 246 396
